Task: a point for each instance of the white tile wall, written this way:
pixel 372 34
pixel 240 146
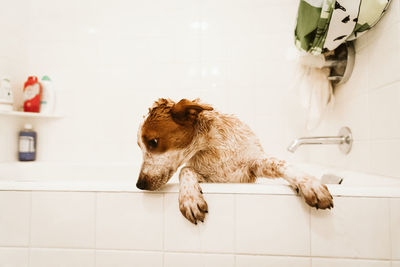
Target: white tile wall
pixel 14 257
pixel 61 258
pixel 129 221
pixel 388 165
pixel 316 262
pixel 395 263
pixel 216 234
pixel 15 213
pixel 147 229
pixel 198 260
pixel 382 124
pixel 394 227
pixel 277 225
pixel 355 228
pixel 271 261
pixel 63 220
pixel 128 259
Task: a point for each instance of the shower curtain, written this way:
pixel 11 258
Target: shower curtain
pixel 322 25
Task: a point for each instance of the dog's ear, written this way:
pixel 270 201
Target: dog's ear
pixel 185 112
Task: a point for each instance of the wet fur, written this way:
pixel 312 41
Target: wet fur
pixel 215 148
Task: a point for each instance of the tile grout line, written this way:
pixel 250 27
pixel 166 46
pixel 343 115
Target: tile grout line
pixel 208 253
pixel 30 228
pixel 95 228
pixel 234 230
pixel 163 231
pixel 309 235
pixel 390 228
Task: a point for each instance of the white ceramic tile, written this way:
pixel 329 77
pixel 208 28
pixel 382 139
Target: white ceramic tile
pixel 316 262
pixel 198 260
pixel 394 227
pixel 358 159
pixel 186 48
pixel 351 229
pixel 15 209
pixel 358 82
pixel 14 257
pixel 61 258
pixel 63 219
pixel 260 48
pixel 395 263
pixel 216 234
pixel 272 225
pixel 271 261
pixel 114 258
pixel 384 124
pixel 126 19
pixel 387 43
pixel 140 50
pixel 384 157
pixel 214 77
pixel 129 221
pixel 353 114
pixel 241 73
pixel 216 47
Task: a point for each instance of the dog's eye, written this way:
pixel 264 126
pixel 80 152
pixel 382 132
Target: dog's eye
pixel 152 143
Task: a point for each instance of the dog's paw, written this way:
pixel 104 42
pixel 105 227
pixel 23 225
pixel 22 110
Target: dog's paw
pixel 193 206
pixel 316 194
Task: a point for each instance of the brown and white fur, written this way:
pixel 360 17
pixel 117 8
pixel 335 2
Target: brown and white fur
pixel 215 148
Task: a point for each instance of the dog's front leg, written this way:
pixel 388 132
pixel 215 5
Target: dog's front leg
pixel 314 192
pixel 191 202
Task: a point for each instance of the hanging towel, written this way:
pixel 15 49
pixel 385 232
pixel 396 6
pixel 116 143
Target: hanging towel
pixel 323 25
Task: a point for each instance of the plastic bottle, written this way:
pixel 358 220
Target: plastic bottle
pixel 6 96
pixel 48 96
pixel 32 94
pixel 27 144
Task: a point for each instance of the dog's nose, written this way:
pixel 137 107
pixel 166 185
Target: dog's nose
pixel 141 184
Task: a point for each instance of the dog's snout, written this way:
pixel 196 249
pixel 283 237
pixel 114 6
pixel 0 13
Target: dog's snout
pixel 142 183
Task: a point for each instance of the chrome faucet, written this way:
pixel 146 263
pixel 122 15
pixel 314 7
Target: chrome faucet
pixel 344 140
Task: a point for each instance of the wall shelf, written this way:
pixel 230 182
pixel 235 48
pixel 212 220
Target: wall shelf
pixel 30 114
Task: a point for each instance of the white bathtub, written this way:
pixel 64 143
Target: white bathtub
pixel 121 177
pixel 93 215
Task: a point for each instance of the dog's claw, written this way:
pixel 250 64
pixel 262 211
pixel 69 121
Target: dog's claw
pixel 316 194
pixel 193 206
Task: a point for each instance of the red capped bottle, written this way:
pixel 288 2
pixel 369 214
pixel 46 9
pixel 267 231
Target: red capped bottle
pixel 32 94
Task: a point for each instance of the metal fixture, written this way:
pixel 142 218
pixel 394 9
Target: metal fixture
pixel 344 140
pixel 341 63
pixel 329 178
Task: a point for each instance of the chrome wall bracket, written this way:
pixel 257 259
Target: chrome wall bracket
pixel 341 61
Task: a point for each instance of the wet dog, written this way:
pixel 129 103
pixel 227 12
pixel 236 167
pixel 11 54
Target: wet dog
pixel 215 148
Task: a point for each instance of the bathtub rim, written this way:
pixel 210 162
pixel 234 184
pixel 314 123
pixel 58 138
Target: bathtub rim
pixel 208 188
pixel 97 177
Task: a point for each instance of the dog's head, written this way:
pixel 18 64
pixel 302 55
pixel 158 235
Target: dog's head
pixel 164 138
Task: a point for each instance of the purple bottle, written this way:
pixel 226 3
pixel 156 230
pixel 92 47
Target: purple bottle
pixel 27 144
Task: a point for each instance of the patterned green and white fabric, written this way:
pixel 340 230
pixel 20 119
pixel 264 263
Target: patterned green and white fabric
pixel 323 25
